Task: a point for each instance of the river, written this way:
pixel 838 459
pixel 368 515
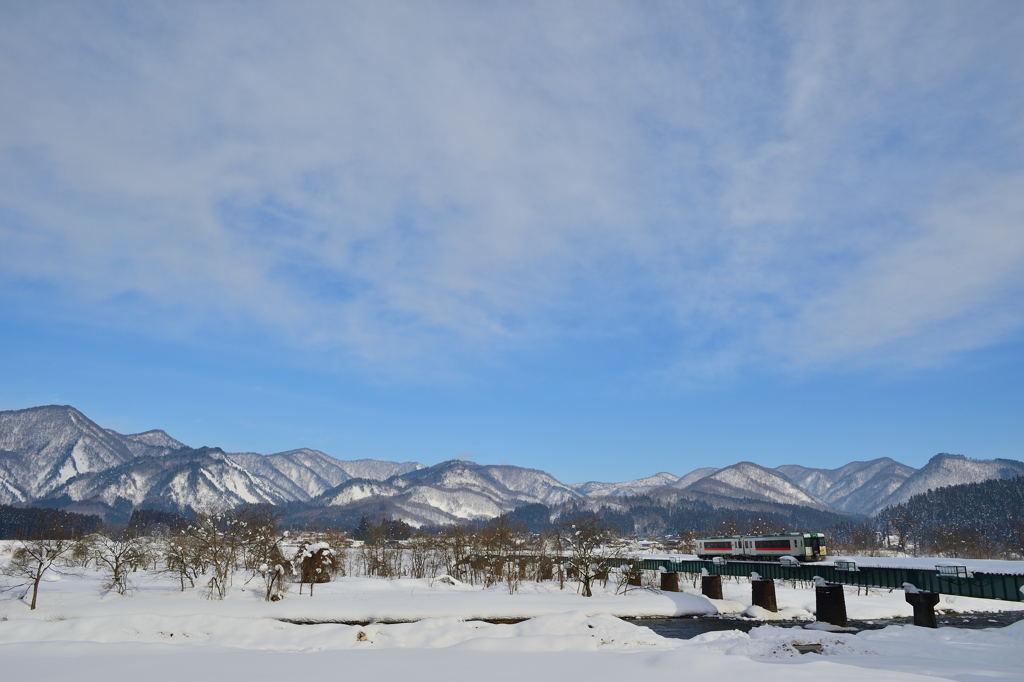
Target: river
pixel 687 627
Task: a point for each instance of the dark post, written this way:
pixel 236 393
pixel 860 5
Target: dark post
pixel 711 586
pixel 669 582
pixel 762 593
pixel 924 608
pixel 830 604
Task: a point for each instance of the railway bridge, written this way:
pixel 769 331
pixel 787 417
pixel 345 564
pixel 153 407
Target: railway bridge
pixel 923 586
pixel 943 579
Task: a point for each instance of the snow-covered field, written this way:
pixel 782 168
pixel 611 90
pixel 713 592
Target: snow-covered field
pixel 159 633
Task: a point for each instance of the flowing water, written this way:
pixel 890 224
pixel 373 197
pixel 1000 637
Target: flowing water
pixel 687 627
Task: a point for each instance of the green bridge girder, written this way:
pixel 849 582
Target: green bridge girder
pixel 1005 587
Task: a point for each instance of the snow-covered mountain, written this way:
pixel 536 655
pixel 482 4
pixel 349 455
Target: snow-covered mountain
pixel 296 474
pixel 187 479
pixel 857 487
pixel 637 486
pixel 56 452
pixel 689 479
pixel 747 480
pixel 455 490
pixel 304 473
pixel 45 446
pixel 944 470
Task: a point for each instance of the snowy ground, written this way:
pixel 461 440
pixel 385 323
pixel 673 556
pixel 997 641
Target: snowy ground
pixel 80 633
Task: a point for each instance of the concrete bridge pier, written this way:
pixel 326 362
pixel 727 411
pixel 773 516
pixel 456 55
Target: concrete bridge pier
pixel 762 593
pixel 830 604
pixel 924 608
pixel 669 582
pixel 711 586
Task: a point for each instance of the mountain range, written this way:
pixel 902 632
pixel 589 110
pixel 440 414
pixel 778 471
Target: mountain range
pixel 56 456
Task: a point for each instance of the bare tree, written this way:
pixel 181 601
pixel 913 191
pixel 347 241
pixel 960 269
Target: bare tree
pixel 181 559
pixel 456 548
pixel 628 576
pixel 381 554
pixel 33 559
pixel 214 543
pixel 554 537
pixel 255 535
pixel 503 554
pixel 586 542
pixel 421 550
pixel 119 555
pixel 274 575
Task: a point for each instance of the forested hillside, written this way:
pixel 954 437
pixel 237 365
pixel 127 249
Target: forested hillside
pixel 975 519
pixel 17 523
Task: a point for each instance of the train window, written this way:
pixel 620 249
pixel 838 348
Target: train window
pixel 767 545
pixel 717 545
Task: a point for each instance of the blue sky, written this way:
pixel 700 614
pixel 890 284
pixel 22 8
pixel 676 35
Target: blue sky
pixel 602 239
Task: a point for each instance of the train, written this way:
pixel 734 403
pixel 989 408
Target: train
pixel 802 546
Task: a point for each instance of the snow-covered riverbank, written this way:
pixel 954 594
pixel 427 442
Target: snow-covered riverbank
pixel 81 631
pixel 547 648
pixel 81 594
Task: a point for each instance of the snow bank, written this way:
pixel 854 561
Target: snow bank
pixel 552 647
pixel 575 631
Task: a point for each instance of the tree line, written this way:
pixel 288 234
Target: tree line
pixel 211 552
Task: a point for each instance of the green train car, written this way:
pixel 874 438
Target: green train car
pixel 802 546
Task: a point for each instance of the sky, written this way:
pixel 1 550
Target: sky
pixel 603 239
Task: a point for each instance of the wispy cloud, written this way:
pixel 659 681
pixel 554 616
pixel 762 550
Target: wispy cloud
pixel 826 183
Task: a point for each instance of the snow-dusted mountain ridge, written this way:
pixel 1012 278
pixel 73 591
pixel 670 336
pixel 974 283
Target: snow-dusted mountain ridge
pixel 635 487
pixel 56 452
pixel 187 479
pixel 46 446
pixel 57 455
pixel 944 470
pixel 855 487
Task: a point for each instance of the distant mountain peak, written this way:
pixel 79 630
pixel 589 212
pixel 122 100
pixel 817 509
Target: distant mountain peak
pixel 156 438
pixel 633 487
pixel 747 480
